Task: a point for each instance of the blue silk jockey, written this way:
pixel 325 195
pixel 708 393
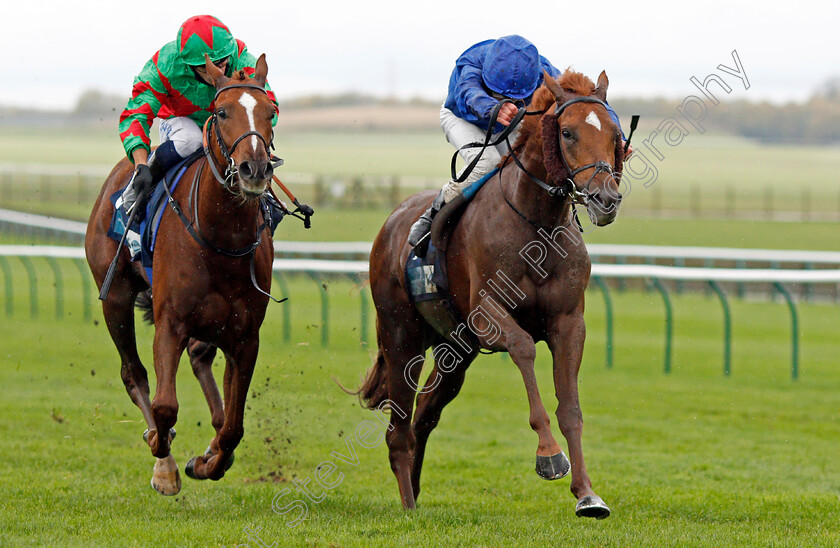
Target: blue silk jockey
pixel 485 74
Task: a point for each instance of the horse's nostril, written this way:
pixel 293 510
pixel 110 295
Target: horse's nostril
pixel 268 171
pixel 246 169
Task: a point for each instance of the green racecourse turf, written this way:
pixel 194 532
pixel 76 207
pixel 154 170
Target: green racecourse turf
pixel 689 458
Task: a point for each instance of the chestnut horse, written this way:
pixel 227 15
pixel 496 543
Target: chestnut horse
pixel 202 290
pixel 517 239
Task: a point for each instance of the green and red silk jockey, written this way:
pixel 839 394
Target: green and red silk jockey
pixel 175 87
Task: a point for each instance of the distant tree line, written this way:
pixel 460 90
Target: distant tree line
pixel 816 121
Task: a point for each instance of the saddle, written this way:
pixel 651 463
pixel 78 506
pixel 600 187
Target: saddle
pixel 427 278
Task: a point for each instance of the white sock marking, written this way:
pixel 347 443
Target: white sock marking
pixel 593 120
pixel 247 101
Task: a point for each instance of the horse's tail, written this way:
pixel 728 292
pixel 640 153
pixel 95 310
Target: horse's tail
pixel 144 303
pixel 374 389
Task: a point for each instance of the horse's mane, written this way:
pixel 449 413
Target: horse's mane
pixel 572 82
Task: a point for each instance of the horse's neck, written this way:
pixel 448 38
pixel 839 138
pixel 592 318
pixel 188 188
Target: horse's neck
pixel 224 218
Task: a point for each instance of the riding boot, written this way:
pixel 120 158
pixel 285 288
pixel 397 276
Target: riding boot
pixel 158 170
pixel 420 233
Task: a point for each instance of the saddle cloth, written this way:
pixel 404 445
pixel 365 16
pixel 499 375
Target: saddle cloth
pixel 427 278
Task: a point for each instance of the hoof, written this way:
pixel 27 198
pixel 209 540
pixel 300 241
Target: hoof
pixel 166 480
pixel 591 506
pixel 553 467
pixel 172 434
pixel 189 469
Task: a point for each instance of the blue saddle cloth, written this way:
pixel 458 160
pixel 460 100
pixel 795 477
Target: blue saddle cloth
pixel 148 226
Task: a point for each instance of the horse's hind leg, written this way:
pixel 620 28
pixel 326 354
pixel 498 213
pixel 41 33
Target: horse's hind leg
pixel 402 351
pixel 201 358
pixel 441 387
pixel 565 339
pixel 118 310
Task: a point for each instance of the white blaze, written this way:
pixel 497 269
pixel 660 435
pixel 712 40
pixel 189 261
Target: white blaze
pixel 247 101
pixel 593 120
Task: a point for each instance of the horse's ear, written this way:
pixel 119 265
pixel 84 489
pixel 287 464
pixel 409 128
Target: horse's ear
pixel 262 70
pixel 553 86
pixel 603 84
pixel 216 75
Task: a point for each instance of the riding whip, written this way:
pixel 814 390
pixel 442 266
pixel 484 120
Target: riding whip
pixel 303 208
pixel 112 268
pixel 634 121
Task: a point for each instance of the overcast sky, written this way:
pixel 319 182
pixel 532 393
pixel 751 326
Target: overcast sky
pixel 55 50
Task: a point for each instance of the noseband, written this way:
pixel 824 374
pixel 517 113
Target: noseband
pixel 213 122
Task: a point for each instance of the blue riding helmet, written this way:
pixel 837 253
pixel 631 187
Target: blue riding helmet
pixel 512 67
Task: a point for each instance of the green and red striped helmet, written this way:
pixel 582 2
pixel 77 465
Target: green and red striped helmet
pixel 204 34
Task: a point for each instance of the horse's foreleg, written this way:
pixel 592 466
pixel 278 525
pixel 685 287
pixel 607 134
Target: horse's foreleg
pixel 551 462
pixel 239 370
pixel 565 339
pixel 168 347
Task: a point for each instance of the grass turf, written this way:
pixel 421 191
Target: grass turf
pixel 690 458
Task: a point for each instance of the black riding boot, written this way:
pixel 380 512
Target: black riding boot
pixel 158 170
pixel 419 235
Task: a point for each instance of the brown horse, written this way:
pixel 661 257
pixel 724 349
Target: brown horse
pixel 517 271
pixel 202 290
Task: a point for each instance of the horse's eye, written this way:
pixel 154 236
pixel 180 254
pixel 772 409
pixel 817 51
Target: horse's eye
pixel 566 134
pixel 221 113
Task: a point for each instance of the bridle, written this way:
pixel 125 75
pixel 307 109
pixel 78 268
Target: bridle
pixel 581 196
pixel 212 124
pixel 567 187
pixel 192 226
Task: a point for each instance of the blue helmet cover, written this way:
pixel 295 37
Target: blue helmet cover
pixel 512 67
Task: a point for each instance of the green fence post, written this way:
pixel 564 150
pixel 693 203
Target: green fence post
pixel 808 289
pixel 794 330
pixel 86 288
pixel 609 320
pixel 727 328
pixel 679 285
pixel 33 286
pixel 287 322
pixel 669 322
pixel 7 279
pixel 59 287
pixel 325 309
pixel 740 288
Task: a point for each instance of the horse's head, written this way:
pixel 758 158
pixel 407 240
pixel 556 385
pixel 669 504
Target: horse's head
pixel 240 132
pixel 581 143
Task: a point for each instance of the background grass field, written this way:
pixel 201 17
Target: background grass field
pixel 706 175
pixel 689 458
